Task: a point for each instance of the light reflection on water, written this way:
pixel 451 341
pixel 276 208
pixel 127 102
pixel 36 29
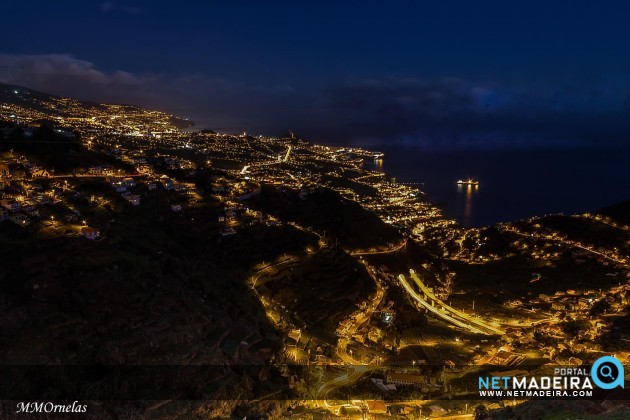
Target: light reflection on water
pixel 466 194
pixel 373 165
pixel 469 191
pixel 513 184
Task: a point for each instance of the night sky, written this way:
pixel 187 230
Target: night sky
pixel 431 75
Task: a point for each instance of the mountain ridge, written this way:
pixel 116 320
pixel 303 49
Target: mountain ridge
pixel 58 106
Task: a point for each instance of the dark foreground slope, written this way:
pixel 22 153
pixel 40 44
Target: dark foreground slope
pixel 619 212
pixel 158 290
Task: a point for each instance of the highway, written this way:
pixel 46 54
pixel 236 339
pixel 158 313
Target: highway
pixel 445 312
pixel 433 309
pixel 482 325
pixel 286 157
pixel 272 162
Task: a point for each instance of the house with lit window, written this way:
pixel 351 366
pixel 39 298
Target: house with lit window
pixel 90 232
pixel 10 205
pixel 167 183
pixel 37 172
pixel 4 171
pixel 129 182
pixel 133 199
pixel 20 219
pixel 42 199
pixel 400 378
pixel 103 170
pixel 30 207
pixel 227 231
pixel 375 407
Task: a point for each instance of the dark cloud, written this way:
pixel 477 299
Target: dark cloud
pixel 457 113
pixel 211 102
pixel 110 6
pixel 64 74
pixel 445 113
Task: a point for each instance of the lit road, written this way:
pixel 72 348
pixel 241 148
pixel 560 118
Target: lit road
pixel 262 270
pixel 357 369
pixel 339 381
pixel 286 157
pixel 91 176
pixel 363 317
pixel 442 310
pixel 433 309
pixel 272 162
pixel 566 242
pixel 455 312
pixel 402 245
pixel 605 222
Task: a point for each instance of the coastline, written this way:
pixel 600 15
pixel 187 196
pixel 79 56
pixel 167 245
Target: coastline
pixel 509 189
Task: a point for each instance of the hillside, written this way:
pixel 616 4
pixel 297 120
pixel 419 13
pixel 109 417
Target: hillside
pixel 236 275
pixel 27 106
pixel 619 212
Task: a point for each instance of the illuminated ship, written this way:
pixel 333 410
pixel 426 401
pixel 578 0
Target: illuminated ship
pixel 468 182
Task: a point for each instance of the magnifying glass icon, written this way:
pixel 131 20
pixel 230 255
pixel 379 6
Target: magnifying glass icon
pixel 606 371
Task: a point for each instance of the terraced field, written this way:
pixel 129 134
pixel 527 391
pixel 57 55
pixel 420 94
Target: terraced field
pixel 321 289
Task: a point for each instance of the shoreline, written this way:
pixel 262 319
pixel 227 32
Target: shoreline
pixel 508 192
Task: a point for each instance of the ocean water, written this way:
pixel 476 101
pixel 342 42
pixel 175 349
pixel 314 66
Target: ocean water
pixel 513 185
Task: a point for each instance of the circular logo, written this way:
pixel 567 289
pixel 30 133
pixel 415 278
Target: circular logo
pixel 607 373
